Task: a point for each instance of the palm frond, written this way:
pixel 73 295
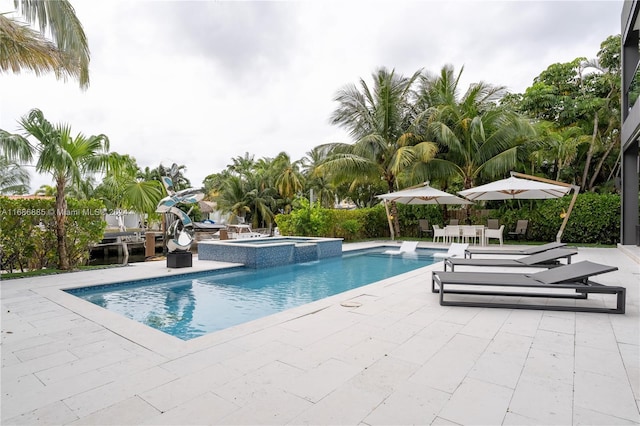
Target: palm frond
pixel 60 20
pixel 15 147
pixel 23 48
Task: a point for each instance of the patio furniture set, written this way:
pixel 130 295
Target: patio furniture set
pixel 571 282
pixel 472 234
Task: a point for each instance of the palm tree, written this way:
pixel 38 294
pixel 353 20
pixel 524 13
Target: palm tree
pixel 68 160
pixel 242 166
pixel 477 137
pixel 289 180
pixel 558 147
pixel 13 178
pixel 261 200
pixel 233 197
pixel 125 189
pixel 46 191
pixel 177 176
pixel 66 54
pixel 324 190
pixel 380 120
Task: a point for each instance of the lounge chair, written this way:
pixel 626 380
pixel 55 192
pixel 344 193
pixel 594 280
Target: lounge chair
pixel 544 284
pixel 405 247
pixel 533 250
pixel 456 250
pixel 546 259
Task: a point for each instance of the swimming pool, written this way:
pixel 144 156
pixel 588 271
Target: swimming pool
pixel 193 305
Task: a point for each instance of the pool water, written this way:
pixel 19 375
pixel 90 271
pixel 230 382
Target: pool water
pixel 196 304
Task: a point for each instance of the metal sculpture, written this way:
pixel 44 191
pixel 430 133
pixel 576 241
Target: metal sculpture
pixel 180 231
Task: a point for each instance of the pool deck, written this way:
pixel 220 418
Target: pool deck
pixel 386 353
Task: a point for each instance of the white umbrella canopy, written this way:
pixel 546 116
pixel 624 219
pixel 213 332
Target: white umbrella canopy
pixel 423 194
pixel 515 188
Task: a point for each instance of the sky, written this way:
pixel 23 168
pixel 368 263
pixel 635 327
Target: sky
pixel 199 83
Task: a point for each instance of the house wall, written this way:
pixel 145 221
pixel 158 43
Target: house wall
pixel 630 132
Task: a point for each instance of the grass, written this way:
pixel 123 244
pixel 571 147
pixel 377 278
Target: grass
pixel 50 271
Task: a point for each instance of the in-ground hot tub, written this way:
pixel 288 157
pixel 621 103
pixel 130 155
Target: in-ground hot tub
pixel 270 251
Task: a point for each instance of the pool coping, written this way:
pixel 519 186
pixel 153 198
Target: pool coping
pixel 170 346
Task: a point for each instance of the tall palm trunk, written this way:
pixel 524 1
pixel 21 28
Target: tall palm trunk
pixel 60 213
pixel 615 142
pixel 587 163
pixel 395 221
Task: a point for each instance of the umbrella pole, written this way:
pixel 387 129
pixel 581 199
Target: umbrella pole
pixel 575 188
pixel 566 217
pixel 386 209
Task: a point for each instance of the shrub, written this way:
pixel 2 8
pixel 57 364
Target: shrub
pixel 409 215
pixel 595 219
pixel 316 221
pixel 27 232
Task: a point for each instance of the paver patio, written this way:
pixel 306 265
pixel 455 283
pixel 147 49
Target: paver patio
pixel 398 358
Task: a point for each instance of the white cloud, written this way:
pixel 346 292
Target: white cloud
pixel 201 82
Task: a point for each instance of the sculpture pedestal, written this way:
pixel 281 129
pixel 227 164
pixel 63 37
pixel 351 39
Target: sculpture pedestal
pixel 179 259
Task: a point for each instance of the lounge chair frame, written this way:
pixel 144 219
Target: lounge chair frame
pixel 545 259
pixel 522 252
pixel 581 284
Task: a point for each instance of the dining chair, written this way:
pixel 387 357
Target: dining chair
pixel 438 233
pixel 494 233
pixel 452 232
pixel 424 227
pixel 469 234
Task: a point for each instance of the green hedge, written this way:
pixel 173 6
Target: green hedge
pixel 595 220
pixel 28 238
pixel 321 222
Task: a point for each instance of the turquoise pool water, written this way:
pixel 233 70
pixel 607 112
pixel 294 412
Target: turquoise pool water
pixel 192 305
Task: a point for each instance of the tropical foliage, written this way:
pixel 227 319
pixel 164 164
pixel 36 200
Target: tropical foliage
pixel 13 178
pixel 67 159
pixel 65 53
pixel 578 106
pixel 28 232
pixel 403 130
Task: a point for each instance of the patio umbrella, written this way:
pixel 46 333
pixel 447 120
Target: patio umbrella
pixel 515 188
pixel 206 206
pixel 524 187
pixel 421 194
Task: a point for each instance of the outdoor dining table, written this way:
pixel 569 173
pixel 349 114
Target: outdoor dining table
pixel 479 232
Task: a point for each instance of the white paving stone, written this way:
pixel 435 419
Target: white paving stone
pixel 347 405
pixel 477 402
pixel 547 402
pixel 53 414
pixel 605 394
pixel 205 409
pixel 398 358
pixel 132 411
pixel 409 404
pixel 447 369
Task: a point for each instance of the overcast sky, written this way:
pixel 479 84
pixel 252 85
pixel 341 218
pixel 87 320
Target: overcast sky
pixel 201 82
